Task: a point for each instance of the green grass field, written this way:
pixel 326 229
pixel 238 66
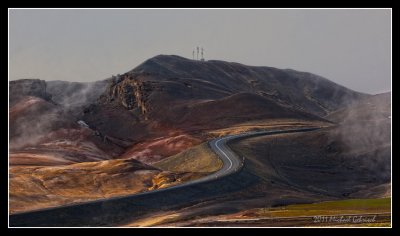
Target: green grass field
pixel 351 206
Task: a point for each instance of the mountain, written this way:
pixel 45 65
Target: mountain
pixel 169 98
pixel 216 79
pixel 169 92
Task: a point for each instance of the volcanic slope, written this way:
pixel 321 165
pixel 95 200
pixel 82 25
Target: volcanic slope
pixel 172 94
pixel 216 79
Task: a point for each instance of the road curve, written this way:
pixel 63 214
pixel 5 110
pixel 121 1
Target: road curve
pixel 232 164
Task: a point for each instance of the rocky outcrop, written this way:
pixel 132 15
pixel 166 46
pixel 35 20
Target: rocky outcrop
pixel 132 93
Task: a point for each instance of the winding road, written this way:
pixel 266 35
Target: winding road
pixel 62 215
pixel 231 161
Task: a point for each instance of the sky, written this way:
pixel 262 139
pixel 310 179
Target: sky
pixel 351 47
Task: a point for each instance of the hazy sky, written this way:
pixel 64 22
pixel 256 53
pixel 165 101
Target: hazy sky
pixel 349 47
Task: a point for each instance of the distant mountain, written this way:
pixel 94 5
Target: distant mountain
pixel 27 87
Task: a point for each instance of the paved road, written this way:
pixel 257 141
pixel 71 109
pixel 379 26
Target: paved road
pixel 231 164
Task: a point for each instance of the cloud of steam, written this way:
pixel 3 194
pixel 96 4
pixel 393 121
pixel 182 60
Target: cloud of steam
pixel 34 122
pixel 73 94
pixel 365 131
pixel 34 118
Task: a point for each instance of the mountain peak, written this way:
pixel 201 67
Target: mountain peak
pixel 166 57
pixel 167 65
